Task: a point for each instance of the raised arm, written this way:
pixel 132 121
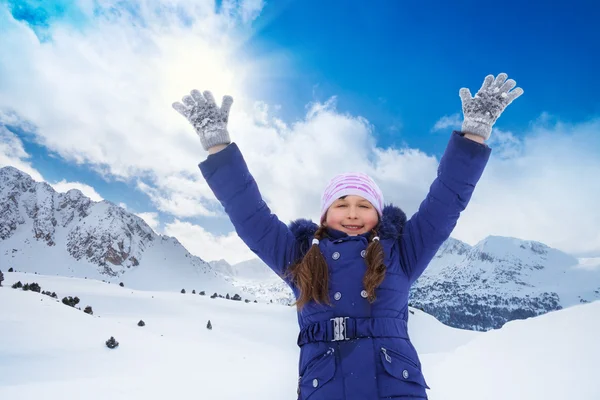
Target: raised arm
pixel 459 171
pixel 227 174
pixel 460 168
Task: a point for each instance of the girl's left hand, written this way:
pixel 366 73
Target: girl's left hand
pixel 482 111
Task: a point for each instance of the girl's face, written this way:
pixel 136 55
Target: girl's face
pixel 352 215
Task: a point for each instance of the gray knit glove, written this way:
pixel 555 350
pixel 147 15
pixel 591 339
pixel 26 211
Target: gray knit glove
pixel 209 121
pixel 482 111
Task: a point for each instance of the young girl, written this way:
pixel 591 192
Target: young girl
pixel 351 274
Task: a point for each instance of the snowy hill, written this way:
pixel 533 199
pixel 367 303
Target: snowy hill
pixel 251 352
pixel 67 234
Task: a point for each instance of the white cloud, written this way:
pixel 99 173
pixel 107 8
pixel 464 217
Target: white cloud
pixel 544 188
pixel 64 186
pixel 447 122
pixel 113 82
pixel 113 86
pixel 151 218
pixel 208 246
pixel 12 153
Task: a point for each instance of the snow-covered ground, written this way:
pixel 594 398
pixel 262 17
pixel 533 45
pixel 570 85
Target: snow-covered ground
pixel 52 351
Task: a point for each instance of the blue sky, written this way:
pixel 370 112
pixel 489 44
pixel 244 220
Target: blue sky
pixel 386 61
pixel 398 65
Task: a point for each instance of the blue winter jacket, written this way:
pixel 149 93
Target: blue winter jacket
pixel 353 349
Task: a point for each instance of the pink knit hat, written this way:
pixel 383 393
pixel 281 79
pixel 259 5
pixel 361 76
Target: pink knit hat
pixel 357 184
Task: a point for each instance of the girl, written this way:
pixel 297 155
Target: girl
pixel 351 274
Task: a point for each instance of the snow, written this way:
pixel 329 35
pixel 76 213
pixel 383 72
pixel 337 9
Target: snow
pixel 53 351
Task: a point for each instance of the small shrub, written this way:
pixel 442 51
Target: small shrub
pixel 34 287
pixel 17 285
pixel 121 284
pixel 112 343
pixel 182 291
pixel 202 293
pixel 141 323
pixel 209 325
pixel 88 310
pixel 70 301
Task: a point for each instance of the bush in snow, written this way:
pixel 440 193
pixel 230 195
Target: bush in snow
pixel 34 287
pixel 247 301
pixel 11 270
pixel 121 284
pixel 202 293
pixel 53 294
pixel 17 285
pixel 1 278
pixel 111 343
pixel 70 301
pixel 227 296
pixel 236 297
pixel 182 291
pixel 213 296
pixel 194 291
pixel 141 323
pixel 209 325
pixel 88 310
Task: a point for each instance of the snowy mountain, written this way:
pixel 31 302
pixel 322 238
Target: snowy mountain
pixel 501 279
pixel 68 234
pixel 52 351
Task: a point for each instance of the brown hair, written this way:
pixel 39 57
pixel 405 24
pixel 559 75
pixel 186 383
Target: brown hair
pixel 311 274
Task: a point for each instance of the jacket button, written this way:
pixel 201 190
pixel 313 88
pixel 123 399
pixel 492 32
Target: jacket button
pixel 315 382
pixel 363 294
pixel 335 255
pixel 405 374
pixel 337 295
pixel 363 253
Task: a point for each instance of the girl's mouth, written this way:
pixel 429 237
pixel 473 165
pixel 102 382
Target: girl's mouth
pixel 353 227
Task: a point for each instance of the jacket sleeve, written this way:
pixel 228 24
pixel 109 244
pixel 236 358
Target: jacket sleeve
pixel 271 240
pixel 459 171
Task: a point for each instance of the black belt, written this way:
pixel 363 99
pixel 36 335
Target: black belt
pixel 347 328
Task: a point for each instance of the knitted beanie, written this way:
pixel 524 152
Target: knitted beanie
pixel 347 184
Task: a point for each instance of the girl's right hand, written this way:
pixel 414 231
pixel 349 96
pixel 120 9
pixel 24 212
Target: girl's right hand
pixel 209 121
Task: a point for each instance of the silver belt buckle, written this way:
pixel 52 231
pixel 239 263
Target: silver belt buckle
pixel 339 328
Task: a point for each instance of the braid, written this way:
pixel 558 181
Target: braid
pixel 375 272
pixel 311 274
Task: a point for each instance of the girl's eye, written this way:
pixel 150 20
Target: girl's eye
pixel 363 206
pixel 341 205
